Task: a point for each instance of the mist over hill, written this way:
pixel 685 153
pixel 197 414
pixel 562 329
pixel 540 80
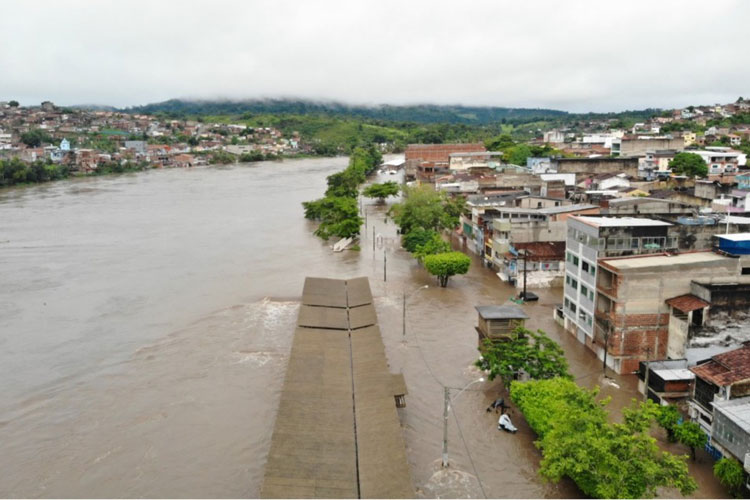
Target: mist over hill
pixel 423 113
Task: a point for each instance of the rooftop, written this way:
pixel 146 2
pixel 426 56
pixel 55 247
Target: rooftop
pixel 738 411
pixel 736 236
pixel 726 368
pixel 508 311
pixel 619 221
pixel 337 432
pixel 687 303
pixel 647 261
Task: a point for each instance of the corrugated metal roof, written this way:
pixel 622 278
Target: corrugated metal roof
pixel 508 311
pixel 337 432
pixel 619 221
pixel 675 374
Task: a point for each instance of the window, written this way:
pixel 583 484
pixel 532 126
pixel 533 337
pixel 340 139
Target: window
pixel 574 283
pixel 567 303
pixel 591 295
pixel 567 280
pixel 585 266
pixel 568 257
pixel 575 261
pixel 584 290
pixel 572 308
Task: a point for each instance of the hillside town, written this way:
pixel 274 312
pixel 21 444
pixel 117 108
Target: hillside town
pixel 652 260
pixel 83 141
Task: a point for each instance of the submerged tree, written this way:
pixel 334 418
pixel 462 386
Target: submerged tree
pixel 381 191
pixel 445 265
pixel 531 352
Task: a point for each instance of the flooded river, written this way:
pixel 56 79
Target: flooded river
pixel 146 319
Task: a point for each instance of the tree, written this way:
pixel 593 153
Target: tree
pixel 445 265
pixel 425 208
pixel 531 352
pixel 605 460
pixel 689 164
pixel 381 191
pixel 433 246
pixel 691 435
pixel 35 138
pixel 222 157
pixel 418 236
pixel 729 472
pixel 668 417
pixel 13 104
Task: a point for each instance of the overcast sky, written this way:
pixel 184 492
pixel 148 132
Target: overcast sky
pixel 576 56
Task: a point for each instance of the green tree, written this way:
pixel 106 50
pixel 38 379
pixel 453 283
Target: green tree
pixel 416 238
pixel 729 472
pixel 34 138
pixel 425 208
pixel 517 155
pixel 605 460
pixel 668 417
pixel 381 191
pixel 691 435
pixel 445 265
pixel 433 246
pixel 222 157
pixel 13 104
pixel 532 352
pixel 689 164
pixel 499 143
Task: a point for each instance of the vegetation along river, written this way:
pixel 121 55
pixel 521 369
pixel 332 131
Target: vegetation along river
pixel 146 319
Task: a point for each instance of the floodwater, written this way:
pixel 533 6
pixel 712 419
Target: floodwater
pixel 146 320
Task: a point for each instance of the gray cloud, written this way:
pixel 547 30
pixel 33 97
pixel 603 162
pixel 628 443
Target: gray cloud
pixel 578 56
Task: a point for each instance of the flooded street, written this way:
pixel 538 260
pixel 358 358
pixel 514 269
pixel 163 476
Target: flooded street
pixel 146 319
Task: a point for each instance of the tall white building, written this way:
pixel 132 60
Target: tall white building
pixel 592 238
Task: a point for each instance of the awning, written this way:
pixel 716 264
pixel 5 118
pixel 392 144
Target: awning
pixel 687 303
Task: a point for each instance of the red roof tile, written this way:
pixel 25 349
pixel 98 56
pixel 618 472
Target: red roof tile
pixel 687 303
pixel 543 250
pixel 726 368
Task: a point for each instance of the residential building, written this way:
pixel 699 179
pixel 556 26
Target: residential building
pixel 721 161
pixel 635 297
pixel 723 377
pixel 536 264
pixel 595 166
pixel 426 158
pixel 588 239
pixel 474 161
pixel 655 164
pixel 730 429
pixel 667 380
pixel 634 146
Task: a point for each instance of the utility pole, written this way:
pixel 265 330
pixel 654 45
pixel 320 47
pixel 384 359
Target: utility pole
pixel 385 262
pixel 446 406
pixel 525 257
pixel 403 317
pixel 645 378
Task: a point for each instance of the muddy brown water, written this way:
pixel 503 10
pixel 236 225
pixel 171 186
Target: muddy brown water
pixel 146 319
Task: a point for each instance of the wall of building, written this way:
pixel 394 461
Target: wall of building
pixel 634 305
pixel 721 428
pixel 593 166
pixel 637 147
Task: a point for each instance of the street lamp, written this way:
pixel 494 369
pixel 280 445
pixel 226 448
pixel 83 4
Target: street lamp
pixel 404 307
pixel 446 408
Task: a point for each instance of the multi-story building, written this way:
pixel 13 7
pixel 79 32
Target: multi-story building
pixel 636 298
pixel 590 238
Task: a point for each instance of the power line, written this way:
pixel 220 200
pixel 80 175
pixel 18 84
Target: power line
pixel 476 473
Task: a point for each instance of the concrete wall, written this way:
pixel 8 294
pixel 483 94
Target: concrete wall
pixel 538 231
pixel 637 147
pixel 721 427
pixel 592 166
pixel 639 316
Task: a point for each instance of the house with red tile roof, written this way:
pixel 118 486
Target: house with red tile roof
pixel 723 377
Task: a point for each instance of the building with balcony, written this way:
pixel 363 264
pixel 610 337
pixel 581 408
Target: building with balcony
pixel 730 429
pixel 590 238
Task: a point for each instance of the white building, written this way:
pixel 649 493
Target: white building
pixel 591 238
